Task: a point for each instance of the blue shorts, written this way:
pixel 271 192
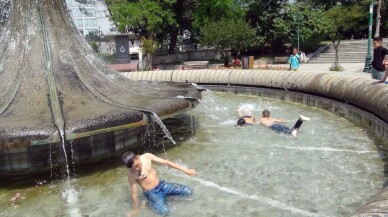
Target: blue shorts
pixel 280 128
pixel 157 196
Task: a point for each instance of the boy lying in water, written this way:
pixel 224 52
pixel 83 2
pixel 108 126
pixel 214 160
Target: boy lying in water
pixel 271 123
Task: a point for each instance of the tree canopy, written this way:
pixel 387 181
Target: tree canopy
pixel 310 20
pixel 275 22
pixel 229 34
pixel 146 17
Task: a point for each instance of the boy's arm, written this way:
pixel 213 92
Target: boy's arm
pixel 240 113
pixel 386 51
pixel 135 202
pixel 280 120
pixel 189 172
pixel 385 77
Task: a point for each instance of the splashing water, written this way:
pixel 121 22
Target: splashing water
pixel 246 109
pixel 212 105
pixel 164 128
pixel 70 196
pixel 65 154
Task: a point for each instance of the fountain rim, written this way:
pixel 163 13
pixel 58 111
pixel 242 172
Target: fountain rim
pixel 146 120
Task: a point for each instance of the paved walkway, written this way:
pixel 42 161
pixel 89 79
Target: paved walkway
pixel 350 69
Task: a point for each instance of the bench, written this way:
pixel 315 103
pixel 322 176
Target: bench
pixel 280 60
pixel 126 67
pixel 196 64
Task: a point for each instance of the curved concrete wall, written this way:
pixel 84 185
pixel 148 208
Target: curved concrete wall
pixel 349 90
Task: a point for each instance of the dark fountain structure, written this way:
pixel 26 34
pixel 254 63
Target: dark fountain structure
pixel 53 88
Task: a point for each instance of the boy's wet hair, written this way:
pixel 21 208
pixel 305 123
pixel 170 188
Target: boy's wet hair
pixel 241 122
pixel 266 114
pixel 378 39
pixel 128 158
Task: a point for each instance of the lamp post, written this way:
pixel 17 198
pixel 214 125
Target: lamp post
pixel 298 34
pixel 369 54
pixel 297 19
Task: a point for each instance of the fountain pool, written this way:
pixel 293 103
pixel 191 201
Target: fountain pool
pixel 331 169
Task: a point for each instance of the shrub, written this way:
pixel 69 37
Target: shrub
pixel 335 68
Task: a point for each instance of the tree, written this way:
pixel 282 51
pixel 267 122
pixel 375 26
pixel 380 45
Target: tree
pixel 342 19
pixel 148 47
pixel 384 25
pixel 378 19
pixel 209 11
pixel 261 15
pixel 183 10
pixel 146 18
pixel 327 4
pixel 225 34
pixel 311 22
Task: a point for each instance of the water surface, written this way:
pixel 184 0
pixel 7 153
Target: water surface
pixel 331 169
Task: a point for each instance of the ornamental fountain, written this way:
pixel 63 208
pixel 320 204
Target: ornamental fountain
pixel 54 89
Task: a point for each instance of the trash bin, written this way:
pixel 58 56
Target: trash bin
pixel 245 62
pixel 251 62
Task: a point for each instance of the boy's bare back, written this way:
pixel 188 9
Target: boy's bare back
pixel 267 121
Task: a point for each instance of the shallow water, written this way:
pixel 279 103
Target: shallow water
pixel 331 169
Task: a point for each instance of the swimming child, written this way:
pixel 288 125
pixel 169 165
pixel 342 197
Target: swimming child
pixel 275 125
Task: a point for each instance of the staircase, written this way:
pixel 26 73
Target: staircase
pixel 349 51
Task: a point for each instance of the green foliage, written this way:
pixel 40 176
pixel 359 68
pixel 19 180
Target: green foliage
pixel 275 21
pixel 223 34
pixel 148 45
pixel 343 19
pixel 145 17
pixel 210 11
pixel 108 58
pixel 95 46
pixel 327 4
pixel 312 23
pixel 261 15
pixel 337 68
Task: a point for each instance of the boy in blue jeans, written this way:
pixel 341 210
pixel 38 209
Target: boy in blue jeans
pixel 156 191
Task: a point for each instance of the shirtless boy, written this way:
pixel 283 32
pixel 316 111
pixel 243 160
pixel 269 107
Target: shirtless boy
pixel 156 191
pixel 275 125
pixel 245 116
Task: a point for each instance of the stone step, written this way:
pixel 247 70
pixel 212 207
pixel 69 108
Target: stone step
pixel 343 54
pixel 340 61
pixel 347 51
pixel 341 58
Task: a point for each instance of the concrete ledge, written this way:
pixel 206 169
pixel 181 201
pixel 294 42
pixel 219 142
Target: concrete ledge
pixel 348 95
